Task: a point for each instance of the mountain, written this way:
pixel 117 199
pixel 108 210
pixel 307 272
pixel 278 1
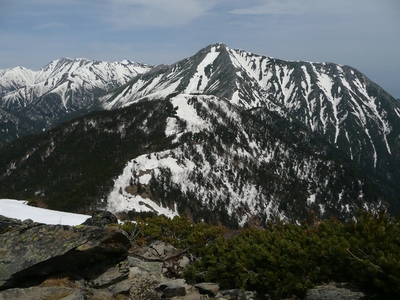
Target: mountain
pixel 197 155
pixel 337 102
pixel 224 136
pixel 64 89
pixel 12 126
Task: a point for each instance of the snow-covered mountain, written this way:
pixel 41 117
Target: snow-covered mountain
pixel 335 101
pixel 63 89
pixel 225 135
pixel 198 155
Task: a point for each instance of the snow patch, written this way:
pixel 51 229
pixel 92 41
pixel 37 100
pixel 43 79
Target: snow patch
pixel 20 210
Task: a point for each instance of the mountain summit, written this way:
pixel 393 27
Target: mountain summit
pixel 225 135
pixel 332 100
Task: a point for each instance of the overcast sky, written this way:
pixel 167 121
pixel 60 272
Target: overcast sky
pixel 364 34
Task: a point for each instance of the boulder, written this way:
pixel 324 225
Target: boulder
pixel 122 287
pixel 173 288
pixel 8 224
pixel 101 218
pixel 334 291
pixel 237 294
pixel 113 275
pixel 184 262
pixel 35 251
pixel 207 288
pixel 148 266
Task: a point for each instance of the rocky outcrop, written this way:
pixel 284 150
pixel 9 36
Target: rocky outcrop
pixel 7 224
pixel 101 218
pixel 40 261
pixel 31 251
pixel 335 291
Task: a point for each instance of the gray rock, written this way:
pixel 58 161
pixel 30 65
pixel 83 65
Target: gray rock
pixel 122 287
pixel 236 294
pixel 94 294
pixel 173 288
pixel 113 275
pixel 77 295
pixel 174 291
pixel 8 224
pixel 207 288
pixel 159 247
pixel 184 261
pixel 335 291
pixel 36 251
pixel 149 266
pixel 101 218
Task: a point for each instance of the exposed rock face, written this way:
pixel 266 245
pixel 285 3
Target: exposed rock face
pixel 33 251
pixel 101 218
pixel 335 291
pixel 7 224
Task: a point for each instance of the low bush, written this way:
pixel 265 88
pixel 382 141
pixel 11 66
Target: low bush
pixel 284 260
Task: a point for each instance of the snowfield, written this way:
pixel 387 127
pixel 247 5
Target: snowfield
pixel 20 210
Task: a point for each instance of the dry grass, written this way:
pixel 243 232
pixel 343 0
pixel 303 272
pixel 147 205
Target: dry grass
pixel 59 281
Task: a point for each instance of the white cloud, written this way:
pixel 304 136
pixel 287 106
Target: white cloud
pixel 127 14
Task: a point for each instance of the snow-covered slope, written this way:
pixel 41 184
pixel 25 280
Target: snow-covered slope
pixel 196 155
pixel 240 168
pixel 226 135
pixel 332 100
pixel 63 89
pixel 20 210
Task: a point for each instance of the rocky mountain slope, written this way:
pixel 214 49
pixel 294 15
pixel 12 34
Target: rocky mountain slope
pixel 332 100
pixel 226 136
pixel 200 156
pixel 97 261
pixel 63 89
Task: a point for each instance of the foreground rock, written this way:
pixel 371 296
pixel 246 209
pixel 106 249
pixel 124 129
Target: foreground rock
pixel 101 218
pixel 335 291
pixel 31 251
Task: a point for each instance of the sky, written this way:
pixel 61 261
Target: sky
pixel 364 34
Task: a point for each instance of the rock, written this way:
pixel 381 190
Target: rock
pixel 111 276
pixel 93 294
pixel 148 266
pixel 36 251
pixel 8 224
pixel 207 288
pixel 335 291
pixel 77 295
pixel 184 261
pixel 122 287
pixel 101 218
pixel 143 285
pixel 159 248
pixel 173 288
pixel 237 294
pixel 57 292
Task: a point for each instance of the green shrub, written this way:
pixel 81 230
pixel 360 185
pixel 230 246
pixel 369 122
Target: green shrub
pixel 284 260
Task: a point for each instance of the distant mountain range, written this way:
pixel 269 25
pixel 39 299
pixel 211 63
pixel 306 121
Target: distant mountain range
pixel 225 135
pixel 31 101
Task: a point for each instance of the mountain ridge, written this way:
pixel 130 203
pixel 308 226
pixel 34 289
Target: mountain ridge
pixel 61 90
pixel 333 100
pixel 224 135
